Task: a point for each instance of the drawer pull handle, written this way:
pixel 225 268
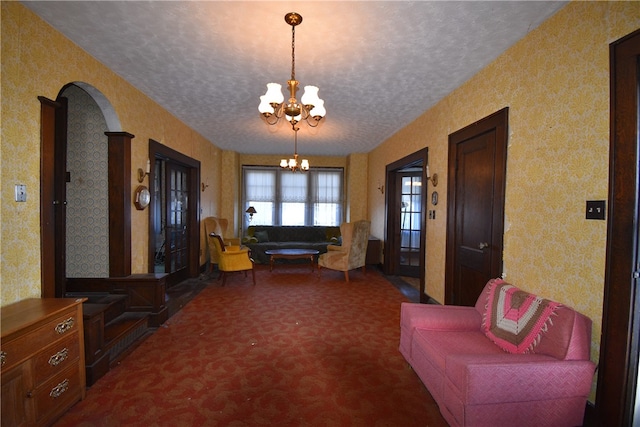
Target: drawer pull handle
pixel 3 358
pixel 59 357
pixel 63 327
pixel 59 389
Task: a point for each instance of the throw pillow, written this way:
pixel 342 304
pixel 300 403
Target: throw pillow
pixel 515 320
pixel 262 236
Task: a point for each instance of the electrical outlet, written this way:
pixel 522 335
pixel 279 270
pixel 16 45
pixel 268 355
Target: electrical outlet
pixel 596 209
pixel 21 193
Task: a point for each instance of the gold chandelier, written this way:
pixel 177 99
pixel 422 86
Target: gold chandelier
pixel 310 108
pixel 292 164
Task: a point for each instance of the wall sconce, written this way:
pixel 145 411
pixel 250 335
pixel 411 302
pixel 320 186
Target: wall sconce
pixel 203 186
pixel 251 210
pixel 142 174
pixel 381 188
pixel 433 179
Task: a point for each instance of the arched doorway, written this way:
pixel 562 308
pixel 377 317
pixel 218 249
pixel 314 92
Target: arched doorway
pixel 87 186
pixel 77 210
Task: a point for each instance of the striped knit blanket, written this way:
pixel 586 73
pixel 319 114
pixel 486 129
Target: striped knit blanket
pixel 515 320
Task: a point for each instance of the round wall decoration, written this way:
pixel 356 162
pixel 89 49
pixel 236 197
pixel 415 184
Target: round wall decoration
pixel 142 197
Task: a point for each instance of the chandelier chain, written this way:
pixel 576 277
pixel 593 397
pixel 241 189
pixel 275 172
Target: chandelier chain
pixel 293 52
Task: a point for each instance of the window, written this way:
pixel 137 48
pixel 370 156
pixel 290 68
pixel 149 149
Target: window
pixel 282 197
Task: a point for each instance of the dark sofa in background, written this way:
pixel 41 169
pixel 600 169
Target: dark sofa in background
pixel 261 238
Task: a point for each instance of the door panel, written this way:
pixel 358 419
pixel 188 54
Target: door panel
pixel 177 214
pixel 477 164
pixel 474 194
pixel 174 232
pixel 52 267
pixel 408 251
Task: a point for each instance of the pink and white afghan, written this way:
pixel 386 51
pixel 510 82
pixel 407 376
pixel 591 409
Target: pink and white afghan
pixel 514 319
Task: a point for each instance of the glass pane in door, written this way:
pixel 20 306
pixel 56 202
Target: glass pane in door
pixel 176 230
pixel 410 219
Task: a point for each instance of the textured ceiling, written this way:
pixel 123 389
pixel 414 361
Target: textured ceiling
pixel 379 65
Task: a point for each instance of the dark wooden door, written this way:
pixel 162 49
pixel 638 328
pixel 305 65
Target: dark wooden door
pixel 53 204
pixel 176 231
pixel 174 214
pixel 477 164
pixel 617 390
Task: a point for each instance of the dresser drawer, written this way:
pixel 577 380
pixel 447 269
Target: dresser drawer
pixel 58 393
pixel 15 351
pixel 56 358
pixel 42 351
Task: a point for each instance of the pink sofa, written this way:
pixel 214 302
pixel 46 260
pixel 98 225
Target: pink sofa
pixel 512 360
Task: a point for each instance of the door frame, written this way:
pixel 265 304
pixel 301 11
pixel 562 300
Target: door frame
pixel 53 179
pixel 619 345
pixel 392 215
pixel 497 121
pixel 160 151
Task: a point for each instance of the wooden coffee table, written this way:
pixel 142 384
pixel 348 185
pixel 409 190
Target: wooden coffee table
pixel 291 254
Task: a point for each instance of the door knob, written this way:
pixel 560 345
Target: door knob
pixel 483 245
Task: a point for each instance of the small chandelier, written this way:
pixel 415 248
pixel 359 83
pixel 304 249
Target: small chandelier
pixel 292 164
pixel 311 107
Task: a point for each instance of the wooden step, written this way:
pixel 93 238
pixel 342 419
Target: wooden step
pixel 124 333
pixel 112 305
pixel 110 331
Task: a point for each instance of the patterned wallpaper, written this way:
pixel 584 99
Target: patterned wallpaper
pixel 555 82
pixel 87 192
pixel 39 61
pixel 357 175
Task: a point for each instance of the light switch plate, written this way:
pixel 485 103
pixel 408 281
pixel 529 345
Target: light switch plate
pixel 21 193
pixel 596 209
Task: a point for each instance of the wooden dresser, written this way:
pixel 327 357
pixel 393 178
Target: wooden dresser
pixel 42 359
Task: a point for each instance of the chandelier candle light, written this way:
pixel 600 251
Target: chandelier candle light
pixel 293 164
pixel 311 107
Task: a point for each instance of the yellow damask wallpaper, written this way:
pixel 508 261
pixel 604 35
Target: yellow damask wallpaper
pixel 555 82
pixel 357 175
pixel 28 71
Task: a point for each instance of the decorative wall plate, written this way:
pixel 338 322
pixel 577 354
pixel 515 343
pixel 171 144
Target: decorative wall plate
pixel 141 197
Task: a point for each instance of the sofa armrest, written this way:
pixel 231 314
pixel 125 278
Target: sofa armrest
pixel 482 379
pixel 334 248
pixel 439 317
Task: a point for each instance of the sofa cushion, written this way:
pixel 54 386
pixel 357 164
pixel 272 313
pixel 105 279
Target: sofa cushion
pixel 515 320
pixel 438 345
pixel 261 236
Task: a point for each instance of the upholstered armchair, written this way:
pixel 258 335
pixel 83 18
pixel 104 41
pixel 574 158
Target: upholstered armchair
pixel 353 251
pixel 219 227
pixel 231 258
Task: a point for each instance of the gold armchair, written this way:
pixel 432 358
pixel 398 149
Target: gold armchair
pixel 219 227
pixel 353 252
pixel 231 258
